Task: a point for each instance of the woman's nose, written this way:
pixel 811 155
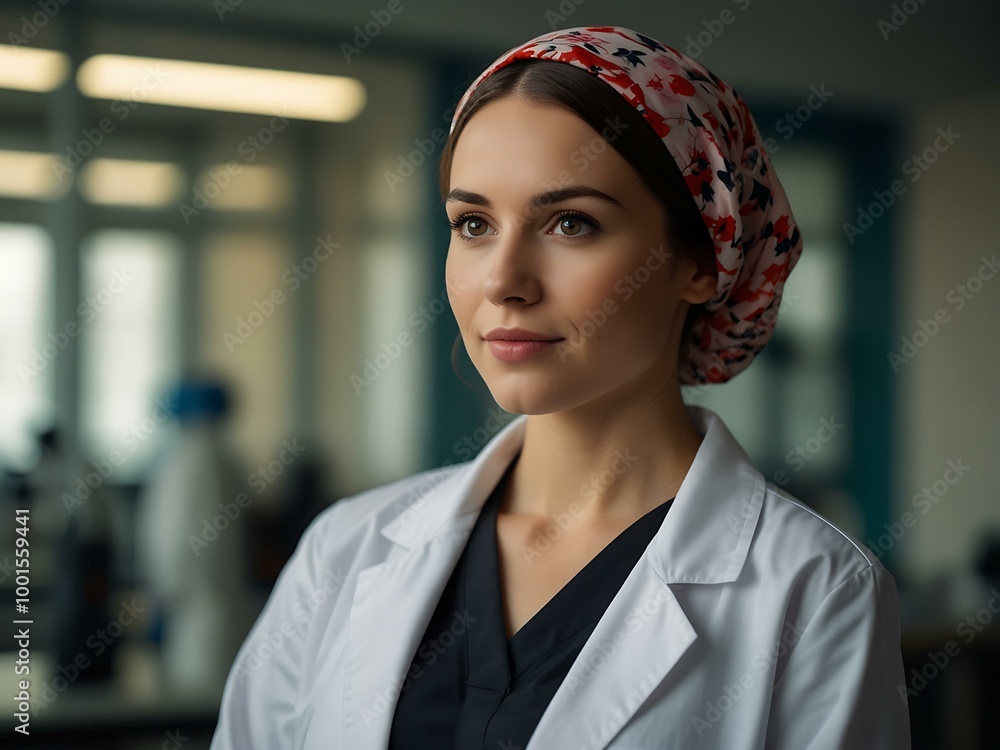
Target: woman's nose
pixel 512 270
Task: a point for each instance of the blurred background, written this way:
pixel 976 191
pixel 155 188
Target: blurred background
pixel 222 252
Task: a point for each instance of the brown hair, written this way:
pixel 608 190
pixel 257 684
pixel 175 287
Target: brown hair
pixel 599 105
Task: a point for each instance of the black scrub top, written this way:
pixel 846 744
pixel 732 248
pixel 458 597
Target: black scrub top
pixel 468 685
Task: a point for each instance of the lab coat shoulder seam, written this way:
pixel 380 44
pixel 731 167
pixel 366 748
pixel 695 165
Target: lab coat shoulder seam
pixel 778 493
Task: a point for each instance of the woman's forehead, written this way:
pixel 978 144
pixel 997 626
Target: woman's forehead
pixel 509 143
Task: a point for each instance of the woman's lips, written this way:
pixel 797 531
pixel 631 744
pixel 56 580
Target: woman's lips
pixel 517 351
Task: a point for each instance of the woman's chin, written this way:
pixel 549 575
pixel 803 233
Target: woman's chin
pixel 522 399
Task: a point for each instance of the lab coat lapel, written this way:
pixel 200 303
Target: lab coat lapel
pixel 644 633
pixel 635 645
pixel 395 599
pixel 393 603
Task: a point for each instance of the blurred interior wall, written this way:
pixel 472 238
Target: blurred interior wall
pixel 948 387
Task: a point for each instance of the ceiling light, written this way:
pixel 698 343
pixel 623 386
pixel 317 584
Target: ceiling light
pixel 29 174
pixel 123 182
pixel 229 88
pixel 29 69
pixel 251 188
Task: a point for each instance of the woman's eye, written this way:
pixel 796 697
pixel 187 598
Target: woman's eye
pixel 476 226
pixel 571 223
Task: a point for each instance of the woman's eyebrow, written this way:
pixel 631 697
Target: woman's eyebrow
pixel 539 199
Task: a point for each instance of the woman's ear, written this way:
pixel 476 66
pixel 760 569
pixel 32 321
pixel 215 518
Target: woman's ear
pixel 700 285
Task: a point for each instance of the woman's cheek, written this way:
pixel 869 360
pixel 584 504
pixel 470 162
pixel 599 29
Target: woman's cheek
pixel 458 288
pixel 596 302
pixel 463 308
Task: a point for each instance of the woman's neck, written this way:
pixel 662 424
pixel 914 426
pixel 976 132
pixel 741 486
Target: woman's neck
pixel 597 469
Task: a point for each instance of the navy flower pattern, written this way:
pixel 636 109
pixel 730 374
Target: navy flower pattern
pixel 708 129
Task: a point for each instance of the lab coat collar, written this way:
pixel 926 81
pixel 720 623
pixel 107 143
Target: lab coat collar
pixel 634 647
pixel 704 538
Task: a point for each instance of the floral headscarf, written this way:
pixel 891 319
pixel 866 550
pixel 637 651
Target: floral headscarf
pixel 709 131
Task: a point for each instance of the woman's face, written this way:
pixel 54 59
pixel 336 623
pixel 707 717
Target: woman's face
pixel 590 271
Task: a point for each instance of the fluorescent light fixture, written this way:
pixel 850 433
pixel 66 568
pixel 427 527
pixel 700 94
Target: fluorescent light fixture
pixel 31 175
pixel 228 88
pixel 29 69
pixel 252 188
pixel 123 182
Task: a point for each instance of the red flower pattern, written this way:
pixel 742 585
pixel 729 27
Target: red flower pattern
pixel 708 129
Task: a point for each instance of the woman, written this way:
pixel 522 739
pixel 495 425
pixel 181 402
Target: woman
pixel 610 571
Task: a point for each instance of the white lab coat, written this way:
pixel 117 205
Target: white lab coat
pixel 749 622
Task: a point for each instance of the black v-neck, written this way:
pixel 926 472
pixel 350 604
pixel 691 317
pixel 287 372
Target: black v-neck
pixel 469 686
pixel 572 611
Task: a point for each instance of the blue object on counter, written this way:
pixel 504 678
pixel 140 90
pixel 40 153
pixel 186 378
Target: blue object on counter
pixel 199 400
